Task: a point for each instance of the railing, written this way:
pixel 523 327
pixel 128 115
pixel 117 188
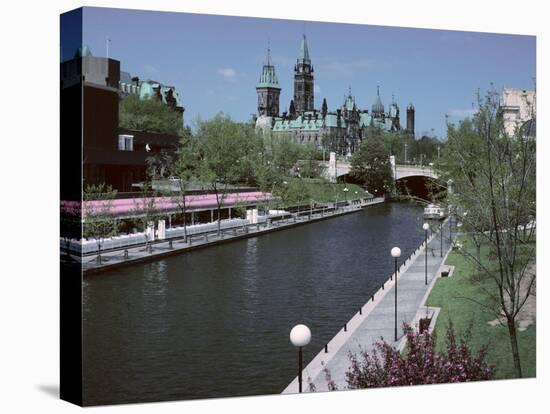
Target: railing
pixel 208 230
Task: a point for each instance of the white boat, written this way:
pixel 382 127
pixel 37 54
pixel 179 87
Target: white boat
pixel 434 212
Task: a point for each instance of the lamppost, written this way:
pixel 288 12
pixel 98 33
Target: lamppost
pixel 346 189
pixel 300 336
pixel 395 252
pixel 441 234
pixel 426 227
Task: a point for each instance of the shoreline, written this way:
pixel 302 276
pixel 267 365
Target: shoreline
pixel 116 259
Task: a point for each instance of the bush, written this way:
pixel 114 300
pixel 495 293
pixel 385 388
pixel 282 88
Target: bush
pixel 420 363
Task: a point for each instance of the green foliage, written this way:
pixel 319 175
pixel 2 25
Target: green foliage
pixel 407 149
pixel 148 115
pixel 98 220
pixel 224 149
pixel 300 191
pixel 371 165
pixel 493 182
pixel 227 155
pixel 309 166
pixel 458 298
pixel 145 207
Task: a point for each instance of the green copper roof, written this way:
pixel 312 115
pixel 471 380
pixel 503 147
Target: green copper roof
pixel 83 51
pixel 377 106
pixel 350 103
pixel 147 90
pixel 303 57
pixel 268 78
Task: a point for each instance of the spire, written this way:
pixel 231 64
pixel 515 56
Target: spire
pixel 324 107
pixel 292 108
pixel 304 51
pixel 377 106
pixel 268 77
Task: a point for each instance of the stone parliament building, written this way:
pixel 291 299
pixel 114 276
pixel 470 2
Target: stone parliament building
pixel 345 128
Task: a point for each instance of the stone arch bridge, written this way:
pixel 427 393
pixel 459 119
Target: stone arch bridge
pixel 336 169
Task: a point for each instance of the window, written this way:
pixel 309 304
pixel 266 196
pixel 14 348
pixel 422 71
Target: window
pixel 125 142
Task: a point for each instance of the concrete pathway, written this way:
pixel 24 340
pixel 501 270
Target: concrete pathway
pixel 377 318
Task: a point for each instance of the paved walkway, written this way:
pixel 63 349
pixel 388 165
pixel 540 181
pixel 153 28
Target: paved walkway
pixel 378 318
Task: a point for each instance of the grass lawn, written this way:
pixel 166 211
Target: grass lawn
pixel 449 294
pixel 321 191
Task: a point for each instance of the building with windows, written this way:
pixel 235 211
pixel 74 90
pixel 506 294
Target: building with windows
pixel 146 89
pixel 519 110
pixel 341 130
pixel 110 155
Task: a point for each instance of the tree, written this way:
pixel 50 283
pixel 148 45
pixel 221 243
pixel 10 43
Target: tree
pixel 159 165
pixel 309 164
pixel 371 164
pixel 183 173
pixel 146 211
pixel 225 148
pixel 148 114
pixel 420 363
pixel 99 222
pixel 494 190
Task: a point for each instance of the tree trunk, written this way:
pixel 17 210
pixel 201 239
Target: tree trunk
pixel 219 221
pixel 514 343
pixel 184 229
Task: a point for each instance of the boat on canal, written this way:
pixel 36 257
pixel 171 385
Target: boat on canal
pixel 434 212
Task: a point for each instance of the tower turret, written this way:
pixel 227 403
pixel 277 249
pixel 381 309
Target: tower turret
pixel 410 119
pixel 303 80
pixel 268 89
pixel 377 107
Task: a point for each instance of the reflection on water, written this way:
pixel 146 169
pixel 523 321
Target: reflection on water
pixel 215 322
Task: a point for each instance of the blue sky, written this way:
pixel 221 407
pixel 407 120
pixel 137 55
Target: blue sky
pixel 215 61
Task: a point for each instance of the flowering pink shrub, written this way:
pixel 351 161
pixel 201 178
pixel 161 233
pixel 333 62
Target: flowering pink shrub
pixel 420 363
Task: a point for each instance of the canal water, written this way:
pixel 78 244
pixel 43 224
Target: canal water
pixel 216 322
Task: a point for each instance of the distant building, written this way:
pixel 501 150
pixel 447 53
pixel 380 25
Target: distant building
pixel 110 155
pixel 344 128
pixel 519 110
pixel 148 88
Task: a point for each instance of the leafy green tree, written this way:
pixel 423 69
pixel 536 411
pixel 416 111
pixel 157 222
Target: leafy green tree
pixel 183 173
pixel 225 148
pixel 494 189
pixel 148 115
pixel 293 192
pixel 99 222
pixel 285 153
pixel 309 165
pixel 146 211
pixel 371 165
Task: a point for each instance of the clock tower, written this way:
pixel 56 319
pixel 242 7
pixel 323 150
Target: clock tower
pixel 303 80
